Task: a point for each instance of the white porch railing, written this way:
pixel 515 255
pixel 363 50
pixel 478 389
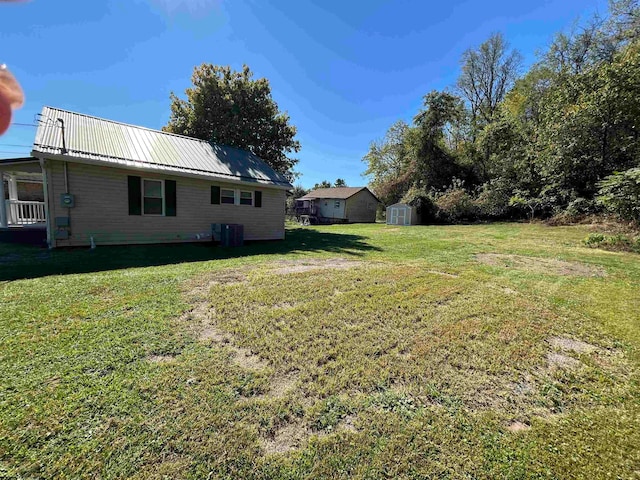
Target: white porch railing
pixel 20 212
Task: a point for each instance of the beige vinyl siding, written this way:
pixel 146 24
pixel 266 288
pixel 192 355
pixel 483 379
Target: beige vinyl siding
pixel 361 207
pixel 327 208
pixel 102 208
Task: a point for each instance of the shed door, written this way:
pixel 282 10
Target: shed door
pixel 401 216
pixel 393 214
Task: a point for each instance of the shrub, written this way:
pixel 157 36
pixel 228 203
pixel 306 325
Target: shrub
pixel 620 194
pixel 456 205
pixel 581 207
pixel 578 210
pixel 493 200
pixel 594 239
pixel 617 242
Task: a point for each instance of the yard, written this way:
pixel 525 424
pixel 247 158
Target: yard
pixel 366 351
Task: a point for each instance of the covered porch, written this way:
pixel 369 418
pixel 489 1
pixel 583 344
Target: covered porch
pixel 21 192
pixel 305 207
pixel 22 201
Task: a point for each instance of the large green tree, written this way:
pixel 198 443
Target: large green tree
pixel 388 161
pixel 435 164
pixel 232 108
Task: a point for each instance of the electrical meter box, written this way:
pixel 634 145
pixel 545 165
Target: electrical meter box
pixel 67 200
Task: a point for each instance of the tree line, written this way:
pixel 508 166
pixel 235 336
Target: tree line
pixel 558 139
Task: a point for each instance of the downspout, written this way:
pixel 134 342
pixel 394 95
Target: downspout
pixel 66 190
pixel 45 190
pixel 66 178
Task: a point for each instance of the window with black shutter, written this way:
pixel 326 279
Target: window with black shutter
pixel 135 195
pixel 215 195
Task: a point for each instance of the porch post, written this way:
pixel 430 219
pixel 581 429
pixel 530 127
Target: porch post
pixel 13 187
pixel 51 241
pixel 3 204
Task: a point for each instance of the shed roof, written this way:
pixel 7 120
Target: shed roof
pixel 129 146
pixel 335 192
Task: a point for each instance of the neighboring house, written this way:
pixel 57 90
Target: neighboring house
pixel 122 184
pixel 402 214
pixel 338 205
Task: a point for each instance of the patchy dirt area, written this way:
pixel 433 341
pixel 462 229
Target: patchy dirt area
pixel 571 345
pixel 282 384
pixel 161 358
pixel 198 288
pixel 558 360
pixel 246 359
pixel 287 438
pixel 518 427
pixel 286 267
pixel 563 345
pixel 242 357
pixel 540 265
pixel 294 435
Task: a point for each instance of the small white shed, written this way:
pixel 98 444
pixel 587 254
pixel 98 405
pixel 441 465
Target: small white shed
pixel 402 214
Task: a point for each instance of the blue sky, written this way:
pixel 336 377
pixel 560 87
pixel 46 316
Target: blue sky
pixel 343 70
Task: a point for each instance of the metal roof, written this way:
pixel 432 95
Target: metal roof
pixel 129 146
pixel 336 192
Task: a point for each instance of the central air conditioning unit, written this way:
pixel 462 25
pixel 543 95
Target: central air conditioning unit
pixel 228 234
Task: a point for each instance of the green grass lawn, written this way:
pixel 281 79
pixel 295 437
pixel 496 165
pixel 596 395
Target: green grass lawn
pixel 362 351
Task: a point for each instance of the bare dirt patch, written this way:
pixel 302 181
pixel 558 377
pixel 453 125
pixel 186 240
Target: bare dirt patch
pixel 211 334
pixel 161 358
pixel 541 265
pixel 197 293
pixel 287 438
pixel 571 345
pixel 280 385
pixel 283 305
pixel 246 359
pixel 518 427
pixel 348 424
pixel 299 266
pixel 294 435
pixel 198 288
pixel 241 357
pixel 560 361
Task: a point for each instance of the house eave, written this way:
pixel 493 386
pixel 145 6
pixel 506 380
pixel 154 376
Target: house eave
pixel 160 168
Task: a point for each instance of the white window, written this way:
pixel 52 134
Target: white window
pixel 236 197
pixel 337 205
pixel 152 197
pixel 227 196
pixel 246 198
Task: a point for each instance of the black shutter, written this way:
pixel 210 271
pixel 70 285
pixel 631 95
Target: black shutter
pixel 170 198
pixel 215 195
pixel 258 198
pixel 135 195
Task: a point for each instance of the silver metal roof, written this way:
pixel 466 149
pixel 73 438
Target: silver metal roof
pixel 334 192
pixel 129 146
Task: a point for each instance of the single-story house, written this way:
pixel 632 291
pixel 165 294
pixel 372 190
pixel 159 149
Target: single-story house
pixel 402 214
pixel 107 183
pixel 339 205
